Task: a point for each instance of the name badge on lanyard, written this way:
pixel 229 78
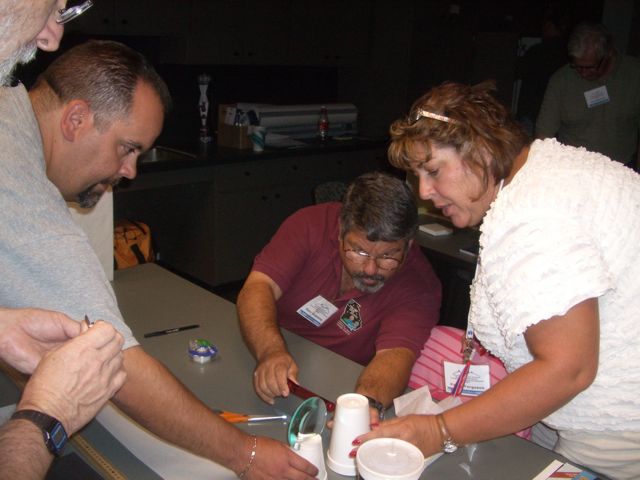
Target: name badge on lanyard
pixel 596 96
pixel 317 310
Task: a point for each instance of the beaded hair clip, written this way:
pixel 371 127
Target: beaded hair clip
pixel 423 113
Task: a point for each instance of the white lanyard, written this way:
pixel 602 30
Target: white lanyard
pixel 468 337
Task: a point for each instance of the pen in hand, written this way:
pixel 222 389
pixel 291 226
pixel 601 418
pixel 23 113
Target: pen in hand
pixel 169 330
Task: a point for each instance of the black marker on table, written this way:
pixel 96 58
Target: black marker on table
pixel 170 330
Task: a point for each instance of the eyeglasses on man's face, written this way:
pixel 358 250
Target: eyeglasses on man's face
pixel 65 15
pixel 587 68
pixel 383 262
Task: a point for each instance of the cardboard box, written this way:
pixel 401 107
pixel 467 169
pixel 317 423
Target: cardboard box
pixel 229 135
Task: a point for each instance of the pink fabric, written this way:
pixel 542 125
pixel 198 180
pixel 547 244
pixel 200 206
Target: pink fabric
pixel 445 343
pixel 303 259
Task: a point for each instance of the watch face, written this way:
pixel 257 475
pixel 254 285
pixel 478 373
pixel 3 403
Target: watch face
pixel 58 436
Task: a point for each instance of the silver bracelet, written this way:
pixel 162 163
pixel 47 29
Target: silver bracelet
pixel 251 457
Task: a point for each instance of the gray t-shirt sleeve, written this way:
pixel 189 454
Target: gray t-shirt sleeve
pixel 46 259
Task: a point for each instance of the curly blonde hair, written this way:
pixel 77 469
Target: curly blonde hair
pixel 480 129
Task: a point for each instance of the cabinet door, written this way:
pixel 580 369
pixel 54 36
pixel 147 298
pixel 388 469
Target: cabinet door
pixel 152 17
pixel 181 222
pixel 244 223
pixel 98 20
pixel 238 32
pixel 134 17
pixel 330 32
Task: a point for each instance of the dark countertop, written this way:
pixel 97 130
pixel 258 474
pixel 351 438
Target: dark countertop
pixel 210 155
pixel 448 246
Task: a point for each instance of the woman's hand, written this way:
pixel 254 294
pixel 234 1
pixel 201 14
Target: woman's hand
pixel 420 430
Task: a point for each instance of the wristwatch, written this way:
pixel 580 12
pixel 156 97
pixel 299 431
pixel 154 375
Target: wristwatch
pixel 373 403
pixel 448 445
pixel 55 436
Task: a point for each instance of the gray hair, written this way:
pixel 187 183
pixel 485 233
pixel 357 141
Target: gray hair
pixel 589 35
pixel 105 75
pixel 15 16
pixel 380 205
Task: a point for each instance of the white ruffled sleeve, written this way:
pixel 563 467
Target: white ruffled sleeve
pixel 540 269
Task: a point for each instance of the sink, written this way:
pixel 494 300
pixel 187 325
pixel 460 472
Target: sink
pixel 164 154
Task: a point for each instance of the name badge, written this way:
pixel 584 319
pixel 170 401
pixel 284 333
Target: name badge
pixel 317 310
pixel 478 379
pixel 596 96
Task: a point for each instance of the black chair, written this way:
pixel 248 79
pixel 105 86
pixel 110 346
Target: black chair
pixel 329 192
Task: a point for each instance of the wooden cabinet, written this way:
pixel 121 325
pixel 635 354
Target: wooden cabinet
pixel 331 32
pixel 134 17
pixel 454 269
pixel 252 200
pixel 456 283
pixel 242 32
pixel 210 225
pixel 238 32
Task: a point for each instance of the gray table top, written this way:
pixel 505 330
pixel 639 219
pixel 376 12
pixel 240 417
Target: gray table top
pixel 151 298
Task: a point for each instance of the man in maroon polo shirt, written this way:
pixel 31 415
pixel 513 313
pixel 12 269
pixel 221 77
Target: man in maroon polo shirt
pixel 349 277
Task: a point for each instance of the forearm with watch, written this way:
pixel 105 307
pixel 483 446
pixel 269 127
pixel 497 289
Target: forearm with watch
pixel 28 443
pixel 385 377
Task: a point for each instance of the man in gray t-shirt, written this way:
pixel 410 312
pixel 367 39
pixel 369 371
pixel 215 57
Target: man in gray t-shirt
pixel 79 131
pixel 594 101
pixel 39 342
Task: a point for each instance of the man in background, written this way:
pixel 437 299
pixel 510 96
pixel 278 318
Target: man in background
pixel 74 370
pixel 594 101
pixel 348 277
pixel 79 131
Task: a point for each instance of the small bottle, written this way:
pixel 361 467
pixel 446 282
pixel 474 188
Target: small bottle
pixel 203 107
pixel 323 124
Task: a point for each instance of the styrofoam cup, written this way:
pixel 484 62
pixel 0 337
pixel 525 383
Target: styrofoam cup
pixel 351 419
pixel 309 447
pixel 389 459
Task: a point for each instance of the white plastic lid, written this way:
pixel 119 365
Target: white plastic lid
pixel 389 459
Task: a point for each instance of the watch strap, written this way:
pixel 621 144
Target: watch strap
pixel 55 436
pixel 448 445
pixel 373 403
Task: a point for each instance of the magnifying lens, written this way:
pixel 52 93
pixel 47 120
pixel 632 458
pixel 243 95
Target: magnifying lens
pixel 308 419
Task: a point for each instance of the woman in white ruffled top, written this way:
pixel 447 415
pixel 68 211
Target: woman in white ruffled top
pixel 556 294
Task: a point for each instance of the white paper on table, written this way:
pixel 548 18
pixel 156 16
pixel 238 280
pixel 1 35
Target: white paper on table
pixel 419 402
pixel 168 461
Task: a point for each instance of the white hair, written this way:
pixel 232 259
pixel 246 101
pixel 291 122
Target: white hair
pixel 589 36
pixel 23 54
pixel 16 18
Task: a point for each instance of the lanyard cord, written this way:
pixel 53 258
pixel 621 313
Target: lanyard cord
pixel 468 337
